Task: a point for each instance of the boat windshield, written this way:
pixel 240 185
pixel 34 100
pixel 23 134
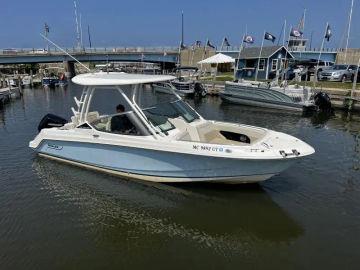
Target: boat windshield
pixel 159 114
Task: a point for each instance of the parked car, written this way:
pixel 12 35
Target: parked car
pixel 306 68
pixel 338 73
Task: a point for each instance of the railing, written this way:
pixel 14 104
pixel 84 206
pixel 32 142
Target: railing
pixel 101 50
pixel 237 48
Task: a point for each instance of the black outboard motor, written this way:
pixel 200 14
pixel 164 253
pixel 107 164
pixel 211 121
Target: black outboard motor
pixel 323 101
pixel 200 91
pixel 51 120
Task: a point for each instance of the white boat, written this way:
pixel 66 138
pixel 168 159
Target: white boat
pixel 26 80
pixel 167 142
pixel 182 88
pixel 287 97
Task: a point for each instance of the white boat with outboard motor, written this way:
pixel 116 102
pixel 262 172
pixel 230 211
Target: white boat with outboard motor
pixel 167 142
pixel 181 87
pixel 185 85
pixel 271 95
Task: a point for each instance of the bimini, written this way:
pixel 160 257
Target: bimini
pixel 165 142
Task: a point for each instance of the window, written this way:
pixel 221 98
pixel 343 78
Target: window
pixel 262 64
pixel 274 64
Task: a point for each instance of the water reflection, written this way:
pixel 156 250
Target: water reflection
pixel 2 117
pixel 221 218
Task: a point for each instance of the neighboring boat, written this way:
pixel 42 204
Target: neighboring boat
pixel 63 82
pixel 184 85
pixel 5 95
pixel 50 81
pixel 26 80
pixel 8 93
pixel 182 88
pixel 287 97
pixel 166 142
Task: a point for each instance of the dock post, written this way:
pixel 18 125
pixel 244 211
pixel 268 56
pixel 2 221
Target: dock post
pixel 31 79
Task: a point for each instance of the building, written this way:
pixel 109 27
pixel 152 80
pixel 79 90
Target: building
pixel 298 48
pixel 272 59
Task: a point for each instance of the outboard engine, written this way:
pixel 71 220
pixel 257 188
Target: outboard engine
pixel 51 120
pixel 200 90
pixel 323 101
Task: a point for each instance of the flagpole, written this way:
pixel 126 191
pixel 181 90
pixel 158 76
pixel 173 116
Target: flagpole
pixel 348 32
pixel 258 64
pixel 322 47
pixel 192 55
pixel 204 52
pixel 355 80
pixel 236 68
pixel 287 48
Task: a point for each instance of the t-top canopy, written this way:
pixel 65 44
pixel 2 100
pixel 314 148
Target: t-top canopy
pixel 118 78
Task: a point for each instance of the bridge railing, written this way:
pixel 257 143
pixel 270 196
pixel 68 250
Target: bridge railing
pixel 32 51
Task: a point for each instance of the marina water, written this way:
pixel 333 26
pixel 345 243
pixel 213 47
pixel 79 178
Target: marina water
pixel 57 215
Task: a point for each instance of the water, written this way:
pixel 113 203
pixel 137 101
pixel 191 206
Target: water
pixel 56 216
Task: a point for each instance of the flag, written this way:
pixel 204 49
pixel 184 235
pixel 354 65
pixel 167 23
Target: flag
pixel 328 33
pixel 226 42
pixel 208 44
pixel 249 39
pixel 47 28
pixel 296 33
pixel 270 37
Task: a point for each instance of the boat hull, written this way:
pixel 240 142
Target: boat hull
pixel 262 97
pixel 166 90
pixel 161 166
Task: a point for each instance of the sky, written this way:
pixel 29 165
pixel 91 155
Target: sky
pixel 158 22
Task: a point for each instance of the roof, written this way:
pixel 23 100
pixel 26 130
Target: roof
pixel 267 52
pixel 218 59
pixel 118 78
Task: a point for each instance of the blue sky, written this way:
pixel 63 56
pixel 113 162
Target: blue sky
pixel 158 22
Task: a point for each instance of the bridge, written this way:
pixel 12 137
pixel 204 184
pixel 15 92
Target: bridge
pixel 136 54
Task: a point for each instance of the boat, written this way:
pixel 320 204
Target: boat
pixel 184 85
pixel 183 88
pixel 26 80
pixel 166 142
pixel 50 81
pixel 267 95
pixel 63 82
pixel 5 95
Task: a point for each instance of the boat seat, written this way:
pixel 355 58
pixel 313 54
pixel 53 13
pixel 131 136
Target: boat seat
pixel 92 116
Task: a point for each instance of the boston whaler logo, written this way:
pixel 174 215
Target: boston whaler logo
pixel 211 148
pixel 54 146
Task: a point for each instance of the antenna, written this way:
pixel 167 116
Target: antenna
pixel 77 27
pixel 81 34
pixel 182 27
pixel 89 36
pixel 68 54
